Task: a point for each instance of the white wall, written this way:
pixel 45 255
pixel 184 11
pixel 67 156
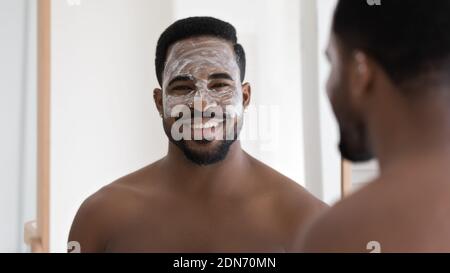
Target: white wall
pixel 322 158
pixel 329 133
pixel 17 120
pixel 104 123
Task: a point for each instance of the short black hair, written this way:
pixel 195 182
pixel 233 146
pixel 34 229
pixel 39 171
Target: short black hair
pixel 408 39
pixel 192 27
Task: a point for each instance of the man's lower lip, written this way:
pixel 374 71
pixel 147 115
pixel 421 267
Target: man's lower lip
pixel 191 122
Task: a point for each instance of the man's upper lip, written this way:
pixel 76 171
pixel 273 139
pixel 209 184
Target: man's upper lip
pixel 203 121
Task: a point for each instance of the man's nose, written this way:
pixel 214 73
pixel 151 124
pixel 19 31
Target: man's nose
pixel 202 101
pixel 200 104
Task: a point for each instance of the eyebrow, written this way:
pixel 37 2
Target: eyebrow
pixel 217 76
pixel 180 78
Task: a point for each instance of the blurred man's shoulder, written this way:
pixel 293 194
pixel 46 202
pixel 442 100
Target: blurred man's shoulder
pixel 348 226
pixel 385 216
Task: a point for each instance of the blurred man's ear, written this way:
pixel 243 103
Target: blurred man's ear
pixel 157 96
pixel 246 94
pixel 361 77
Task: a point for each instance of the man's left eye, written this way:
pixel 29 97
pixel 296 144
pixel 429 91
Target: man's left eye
pixel 220 85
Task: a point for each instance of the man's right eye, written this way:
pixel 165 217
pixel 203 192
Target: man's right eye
pixel 182 88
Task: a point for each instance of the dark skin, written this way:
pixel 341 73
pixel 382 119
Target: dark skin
pixel 174 205
pixel 406 208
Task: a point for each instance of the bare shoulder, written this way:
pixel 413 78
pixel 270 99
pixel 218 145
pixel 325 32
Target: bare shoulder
pixel 289 192
pixel 384 216
pixel 101 214
pixel 291 204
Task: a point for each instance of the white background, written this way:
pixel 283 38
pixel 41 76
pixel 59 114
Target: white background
pixel 17 120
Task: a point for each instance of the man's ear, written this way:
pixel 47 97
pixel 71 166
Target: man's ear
pixel 157 96
pixel 246 94
pixel 361 77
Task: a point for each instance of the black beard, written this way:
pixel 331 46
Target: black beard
pixel 211 157
pixel 215 155
pixel 354 144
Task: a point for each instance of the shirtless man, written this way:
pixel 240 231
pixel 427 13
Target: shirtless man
pixel 390 90
pixel 207 194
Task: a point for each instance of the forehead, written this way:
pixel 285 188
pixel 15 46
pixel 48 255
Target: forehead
pixel 198 48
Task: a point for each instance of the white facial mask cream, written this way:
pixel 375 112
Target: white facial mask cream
pixel 202 74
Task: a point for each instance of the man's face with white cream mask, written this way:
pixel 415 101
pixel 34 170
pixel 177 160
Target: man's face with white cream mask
pixel 202 99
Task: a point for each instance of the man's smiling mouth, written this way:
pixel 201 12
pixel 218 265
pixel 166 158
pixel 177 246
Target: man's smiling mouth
pixel 206 125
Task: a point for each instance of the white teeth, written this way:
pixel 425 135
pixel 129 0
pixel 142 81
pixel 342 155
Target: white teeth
pixel 207 125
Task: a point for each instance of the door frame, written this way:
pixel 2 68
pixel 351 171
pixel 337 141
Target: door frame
pixel 42 240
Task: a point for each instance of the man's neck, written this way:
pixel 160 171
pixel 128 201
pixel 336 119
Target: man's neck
pixel 418 133
pixel 206 178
